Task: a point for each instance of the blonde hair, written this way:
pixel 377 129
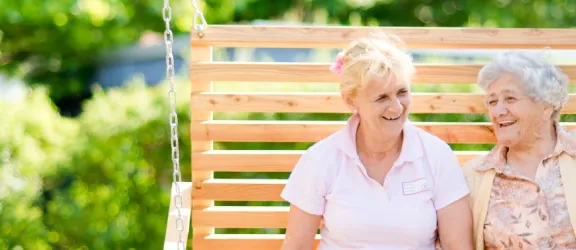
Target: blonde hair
pixel 380 55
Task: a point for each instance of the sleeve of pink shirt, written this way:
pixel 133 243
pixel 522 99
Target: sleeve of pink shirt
pixel 449 181
pixel 306 187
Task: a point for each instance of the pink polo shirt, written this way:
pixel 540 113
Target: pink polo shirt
pixel 358 212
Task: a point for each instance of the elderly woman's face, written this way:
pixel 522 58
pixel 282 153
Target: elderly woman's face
pixel 383 105
pixel 515 116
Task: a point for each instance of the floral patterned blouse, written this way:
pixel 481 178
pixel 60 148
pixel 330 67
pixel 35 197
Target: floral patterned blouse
pixel 525 213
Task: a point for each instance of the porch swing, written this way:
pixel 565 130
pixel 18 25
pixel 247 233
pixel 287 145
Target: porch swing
pixel 192 203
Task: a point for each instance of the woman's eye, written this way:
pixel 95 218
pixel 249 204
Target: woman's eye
pixel 510 99
pixel 381 98
pixel 492 103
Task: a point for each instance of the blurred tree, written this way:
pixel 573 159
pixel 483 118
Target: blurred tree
pixel 445 13
pixel 121 171
pixel 57 42
pixel 98 181
pixel 34 144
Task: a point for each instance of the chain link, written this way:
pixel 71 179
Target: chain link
pixel 200 23
pixel 173 119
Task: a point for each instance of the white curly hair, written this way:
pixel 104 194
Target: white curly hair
pixel 542 81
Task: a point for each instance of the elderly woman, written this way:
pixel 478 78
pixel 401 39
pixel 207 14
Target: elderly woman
pixel 379 182
pixel 523 191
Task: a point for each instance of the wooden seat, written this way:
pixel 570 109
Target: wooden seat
pixel 206 74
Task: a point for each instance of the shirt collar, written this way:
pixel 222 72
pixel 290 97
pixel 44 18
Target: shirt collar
pixel 411 146
pixel 496 158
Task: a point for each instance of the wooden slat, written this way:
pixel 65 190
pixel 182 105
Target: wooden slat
pixel 247 160
pixel 310 131
pixel 331 102
pixel 269 160
pixel 239 190
pixel 241 217
pixel 414 37
pixel 313 72
pixel 318 72
pixel 244 242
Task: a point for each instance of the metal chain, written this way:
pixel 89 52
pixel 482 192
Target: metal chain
pixel 173 119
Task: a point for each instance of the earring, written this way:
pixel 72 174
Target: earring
pixel 355 111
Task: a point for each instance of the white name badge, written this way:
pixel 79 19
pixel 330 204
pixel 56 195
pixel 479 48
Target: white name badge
pixel 414 187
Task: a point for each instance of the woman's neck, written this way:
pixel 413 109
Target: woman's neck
pixel 527 156
pixel 377 147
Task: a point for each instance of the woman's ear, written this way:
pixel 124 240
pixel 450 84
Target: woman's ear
pixel 350 103
pixel 549 113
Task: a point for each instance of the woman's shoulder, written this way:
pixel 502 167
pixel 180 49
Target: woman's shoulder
pixel 322 148
pixel 471 166
pixel 439 149
pixel 567 138
pixel 320 155
pixel 319 166
pixel 473 175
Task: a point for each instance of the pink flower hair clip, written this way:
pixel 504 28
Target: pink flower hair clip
pixel 337 65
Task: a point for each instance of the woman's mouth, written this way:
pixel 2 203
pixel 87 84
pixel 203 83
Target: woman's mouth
pixel 506 123
pixel 391 118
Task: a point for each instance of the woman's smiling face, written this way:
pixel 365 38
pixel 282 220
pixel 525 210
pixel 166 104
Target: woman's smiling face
pixel 514 115
pixel 383 105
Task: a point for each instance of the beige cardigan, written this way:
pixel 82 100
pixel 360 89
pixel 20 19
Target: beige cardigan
pixel 480 184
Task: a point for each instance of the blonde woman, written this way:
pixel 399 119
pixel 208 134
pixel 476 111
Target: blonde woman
pixel 379 182
pixel 524 190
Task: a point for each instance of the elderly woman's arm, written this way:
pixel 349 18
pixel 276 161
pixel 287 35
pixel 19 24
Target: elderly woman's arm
pixel 301 229
pixel 455 225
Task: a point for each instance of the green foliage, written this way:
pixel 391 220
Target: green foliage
pixel 122 171
pixel 446 13
pixel 57 42
pixel 37 141
pixel 100 181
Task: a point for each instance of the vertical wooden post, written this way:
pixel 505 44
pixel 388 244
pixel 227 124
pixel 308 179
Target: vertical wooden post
pixel 199 54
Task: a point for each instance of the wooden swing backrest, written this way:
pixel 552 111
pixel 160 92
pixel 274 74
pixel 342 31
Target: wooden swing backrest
pixel 206 73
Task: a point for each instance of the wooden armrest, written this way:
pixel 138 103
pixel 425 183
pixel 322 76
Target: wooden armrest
pixel 171 239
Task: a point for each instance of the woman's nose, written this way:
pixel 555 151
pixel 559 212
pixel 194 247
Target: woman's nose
pixel 396 107
pixel 499 109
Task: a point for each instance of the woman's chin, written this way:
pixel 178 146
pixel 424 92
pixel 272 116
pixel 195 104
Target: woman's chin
pixel 507 140
pixel 392 127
